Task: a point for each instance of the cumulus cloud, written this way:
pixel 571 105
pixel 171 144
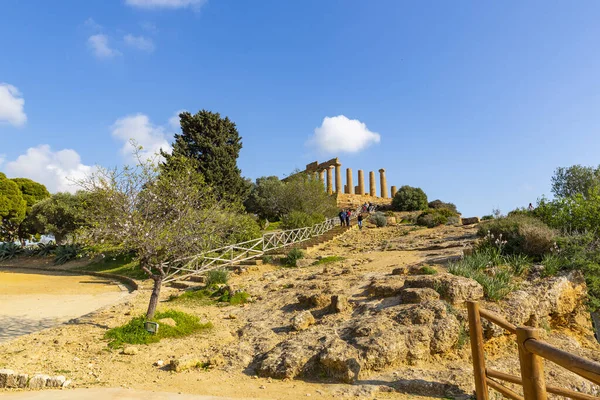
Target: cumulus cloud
pixel 100 47
pixel 174 121
pixel 11 105
pixel 139 42
pixel 173 4
pixel 343 135
pixel 93 25
pixel 138 128
pixel 56 169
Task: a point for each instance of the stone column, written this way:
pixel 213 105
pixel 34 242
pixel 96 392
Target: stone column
pixel 349 183
pixel 372 184
pixel 394 191
pixel 356 189
pixel 383 183
pixel 338 178
pixel 361 182
pixel 330 179
pixel 322 176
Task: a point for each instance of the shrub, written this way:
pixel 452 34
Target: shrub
pixel 9 250
pixel 66 253
pixel 328 260
pixel 244 228
pixel 379 219
pixel 299 219
pixel 434 217
pixel 438 204
pixel 523 234
pixel 428 270
pixel 453 221
pixel 409 199
pixel 487 217
pixel 496 282
pixel 519 263
pixel 134 332
pixel 239 298
pixel 267 259
pixel 217 277
pixel 44 250
pixel 292 257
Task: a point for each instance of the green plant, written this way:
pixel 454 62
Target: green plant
pixel 239 298
pixel 487 217
pixel 299 219
pixel 519 263
pixel 44 250
pixel 496 284
pixel 328 260
pixel 217 277
pixel 292 257
pixel 453 221
pixel 438 204
pixel 463 336
pixel 552 264
pixel 379 219
pixel 267 259
pixel 134 332
pixel 428 270
pixel 390 213
pixel 9 251
pixel 409 199
pixel 434 217
pixel 66 253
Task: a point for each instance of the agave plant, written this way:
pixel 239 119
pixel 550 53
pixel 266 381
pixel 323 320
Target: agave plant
pixel 9 250
pixel 46 249
pixel 66 253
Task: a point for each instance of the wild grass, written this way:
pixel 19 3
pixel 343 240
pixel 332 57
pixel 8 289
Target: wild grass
pixel 217 277
pixel 134 332
pixel 122 264
pixel 428 270
pixel 329 260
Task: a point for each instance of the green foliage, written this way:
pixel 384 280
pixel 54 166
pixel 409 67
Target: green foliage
pixel 409 199
pixel 62 215
pixel 300 219
pixel 215 144
pixel 9 250
pixel 519 263
pixel 453 221
pixel 522 234
pixel 264 198
pixel 575 180
pixel 572 214
pixel 329 260
pixel 43 249
pixel 33 192
pixel 66 253
pixel 435 216
pixel 292 257
pixel 12 209
pixel 495 285
pixel 438 204
pixel 217 277
pixel 134 332
pixel 124 264
pixel 552 264
pixel 239 298
pixel 487 217
pixel 243 227
pixel 428 270
pixel 267 259
pixel 379 219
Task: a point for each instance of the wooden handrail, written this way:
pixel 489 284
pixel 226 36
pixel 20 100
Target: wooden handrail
pixel 498 320
pixel 581 366
pixel 550 389
pixel 504 390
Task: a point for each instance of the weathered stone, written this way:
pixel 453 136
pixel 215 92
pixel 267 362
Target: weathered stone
pixel 56 381
pixel 400 271
pixel 305 262
pixel 386 286
pixel 316 300
pixel 38 381
pixel 184 363
pixel 469 221
pixel 418 295
pixel 340 361
pixel 418 342
pixel 287 360
pixel 167 321
pixel 455 289
pixel 382 349
pixel 445 334
pixel 5 376
pixel 339 304
pixel 17 381
pixel 391 220
pixel 130 351
pixel 303 320
pixel 67 383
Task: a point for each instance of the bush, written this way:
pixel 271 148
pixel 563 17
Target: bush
pixel 379 219
pixel 217 277
pixel 435 217
pixel 523 235
pixel 487 217
pixel 66 253
pixel 438 204
pixel 134 332
pixel 244 228
pixel 9 250
pixel 299 219
pixel 292 257
pixel 453 221
pixel 409 199
pixel 267 259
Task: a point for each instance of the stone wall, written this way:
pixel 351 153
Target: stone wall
pixel 355 200
pixel 11 379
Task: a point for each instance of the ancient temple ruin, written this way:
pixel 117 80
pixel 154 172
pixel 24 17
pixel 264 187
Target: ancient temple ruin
pixel 346 193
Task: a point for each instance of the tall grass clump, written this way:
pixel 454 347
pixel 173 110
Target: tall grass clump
pixel 217 277
pixel 291 260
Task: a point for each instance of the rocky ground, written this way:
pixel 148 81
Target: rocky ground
pixel 377 324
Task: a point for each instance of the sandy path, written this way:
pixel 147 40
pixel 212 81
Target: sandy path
pixel 32 301
pixel 107 394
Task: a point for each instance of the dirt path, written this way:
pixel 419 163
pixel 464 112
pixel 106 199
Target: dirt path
pixel 33 300
pixel 107 394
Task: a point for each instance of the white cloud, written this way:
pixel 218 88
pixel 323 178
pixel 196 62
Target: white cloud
pixel 173 4
pixel 99 45
pixel 343 135
pixel 174 122
pixel 93 25
pixel 11 105
pixel 57 170
pixel 139 42
pixel 139 128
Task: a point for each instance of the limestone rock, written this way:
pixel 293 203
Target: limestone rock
pixel 340 361
pixel 17 381
pixel 445 334
pixel 470 221
pixel 287 360
pixel 305 262
pixel 183 363
pixel 38 381
pixel 56 381
pixel 167 321
pixel 312 301
pixel 339 304
pixel 130 351
pixel 418 295
pixel 455 289
pixel 5 376
pixel 387 286
pixel 303 320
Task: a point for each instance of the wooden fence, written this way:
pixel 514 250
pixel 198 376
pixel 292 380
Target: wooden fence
pixel 532 352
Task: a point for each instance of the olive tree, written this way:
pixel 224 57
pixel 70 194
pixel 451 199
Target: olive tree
pixel 161 216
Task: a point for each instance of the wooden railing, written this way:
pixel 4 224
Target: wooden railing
pixel 532 352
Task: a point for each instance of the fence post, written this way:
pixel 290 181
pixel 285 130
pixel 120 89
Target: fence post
pixel 532 366
pixel 476 335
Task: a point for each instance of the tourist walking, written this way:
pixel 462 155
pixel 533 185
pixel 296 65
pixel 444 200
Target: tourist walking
pixel 342 216
pixel 530 208
pixel 348 213
pixel 359 219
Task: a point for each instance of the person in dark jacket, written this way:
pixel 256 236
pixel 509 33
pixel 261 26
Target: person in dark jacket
pixel 342 216
pixel 359 219
pixel 348 213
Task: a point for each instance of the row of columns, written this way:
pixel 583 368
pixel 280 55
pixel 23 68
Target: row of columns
pixel 349 188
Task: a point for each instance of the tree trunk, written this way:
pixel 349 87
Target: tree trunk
pixel 154 297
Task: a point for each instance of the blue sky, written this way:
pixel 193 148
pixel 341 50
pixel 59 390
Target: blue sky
pixel 477 103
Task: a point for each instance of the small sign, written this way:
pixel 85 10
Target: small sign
pixel 151 327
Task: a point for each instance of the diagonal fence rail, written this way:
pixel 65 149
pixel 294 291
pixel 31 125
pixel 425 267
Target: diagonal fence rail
pixel 235 253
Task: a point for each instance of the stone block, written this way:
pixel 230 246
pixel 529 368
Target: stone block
pixel 470 221
pixel 6 375
pixel 38 381
pixel 18 381
pixel 56 381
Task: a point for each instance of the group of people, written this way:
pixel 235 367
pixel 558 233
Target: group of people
pixel 368 207
pixel 345 216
